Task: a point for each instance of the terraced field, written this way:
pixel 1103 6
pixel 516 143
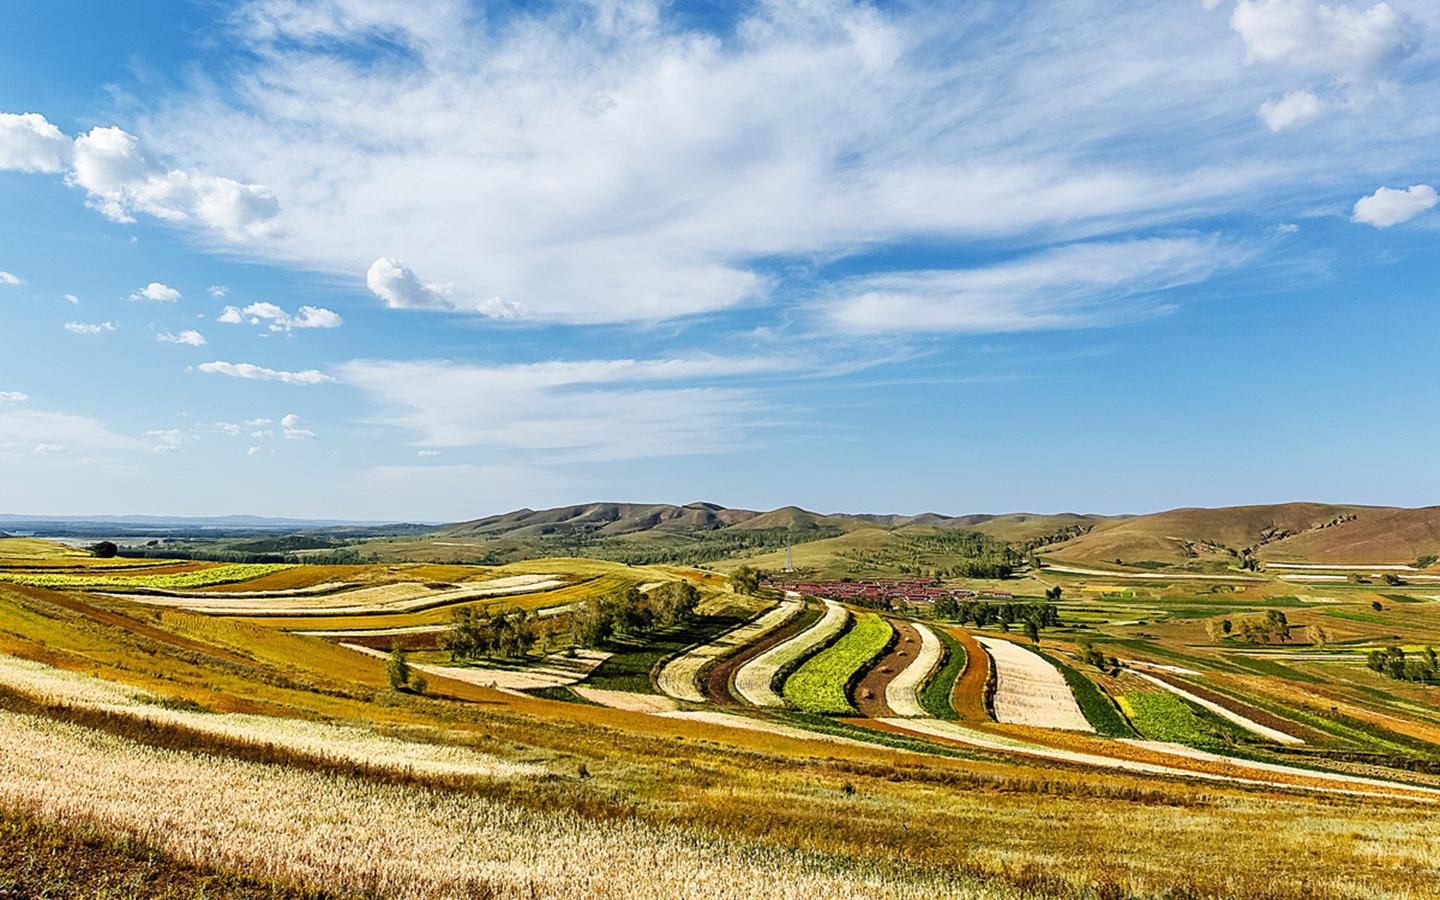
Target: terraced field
pixel 200 577
pixel 681 677
pixel 821 685
pixel 754 682
pixel 1030 691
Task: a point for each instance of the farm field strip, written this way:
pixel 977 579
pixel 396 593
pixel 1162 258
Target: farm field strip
pixel 750 723
pixel 1249 725
pixel 754 683
pixel 58 686
pixel 360 838
pixel 555 670
pixel 680 678
pixel 389 598
pixel 902 695
pixel 627 700
pixel 954 731
pixel 820 684
pixel 328 587
pixel 1030 691
pixel 1147 576
pixel 223 574
pixel 1345 567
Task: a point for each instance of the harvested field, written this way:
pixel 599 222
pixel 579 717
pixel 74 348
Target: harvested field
pixel 57 686
pixel 198 577
pixel 717 681
pixel 902 694
pixel 388 598
pixel 1030 691
pixel 630 702
pixel 680 678
pixel 748 723
pixel 754 682
pixel 555 670
pixel 871 691
pixel 822 684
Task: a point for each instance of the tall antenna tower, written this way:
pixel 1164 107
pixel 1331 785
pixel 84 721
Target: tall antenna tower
pixel 789 560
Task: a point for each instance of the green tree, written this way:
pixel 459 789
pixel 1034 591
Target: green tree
pixel 674 603
pixel 745 580
pixel 104 550
pixel 1032 631
pixel 397 669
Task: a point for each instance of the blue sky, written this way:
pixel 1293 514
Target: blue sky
pixel 356 259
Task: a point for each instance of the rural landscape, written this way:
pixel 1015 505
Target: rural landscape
pixel 982 706
pixel 693 450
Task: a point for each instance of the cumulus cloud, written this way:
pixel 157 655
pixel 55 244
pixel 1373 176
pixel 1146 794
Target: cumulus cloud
pixel 277 319
pixel 1388 206
pixel 1067 287
pixel 189 338
pixel 90 327
pixel 7 278
pixel 169 440
pixel 120 181
pixel 253 372
pixel 294 428
pixel 1295 108
pixel 1341 39
pixel 160 293
pixel 29 143
pixel 396 284
pixel 594 409
pixel 227 428
pixel 218 291
pixel 71 299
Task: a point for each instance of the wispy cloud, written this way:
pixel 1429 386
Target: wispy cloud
pixel 189 337
pixel 592 409
pixel 1068 287
pixel 90 327
pixel 253 372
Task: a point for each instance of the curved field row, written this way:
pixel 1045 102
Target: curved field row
pixel 871 689
pixel 1250 725
pixel 58 686
pixel 968 698
pixel 555 670
pixel 1289 777
pixel 389 598
pixel 1030 691
pixel 440 614
pixel 937 696
pixel 717 682
pixel 902 695
pixel 680 678
pixel 822 684
pixel 226 574
pixel 754 682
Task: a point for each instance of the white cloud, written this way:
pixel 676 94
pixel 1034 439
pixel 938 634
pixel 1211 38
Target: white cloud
pixel 396 284
pixel 253 451
pixel 58 432
pixel 1388 206
pixel 90 327
pixel 259 423
pixel 1295 108
pixel 120 181
pixel 294 428
pixel 189 337
pixel 29 143
pixel 71 299
pixel 1067 287
pixel 169 440
pixel 1340 39
pixel 260 373
pixel 160 293
pixel 278 319
pixel 218 291
pixel 594 409
pixel 7 278
pixel 13 397
pixel 427 454
pixel 228 428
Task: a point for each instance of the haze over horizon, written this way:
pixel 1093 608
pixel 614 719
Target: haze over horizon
pixel 361 261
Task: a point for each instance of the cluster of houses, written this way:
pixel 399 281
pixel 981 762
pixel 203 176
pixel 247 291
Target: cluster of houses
pixel 876 590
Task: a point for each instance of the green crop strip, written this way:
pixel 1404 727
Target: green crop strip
pixel 936 696
pixel 1100 711
pixel 822 684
